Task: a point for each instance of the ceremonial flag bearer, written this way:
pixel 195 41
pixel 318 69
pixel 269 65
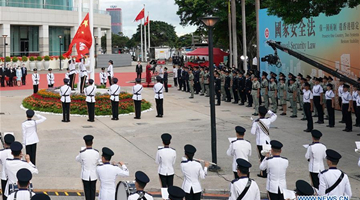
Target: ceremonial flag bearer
pixel 114 92
pixel 90 92
pixel 165 158
pixel 23 176
pixel 36 80
pixel 159 97
pixel 5 154
pixel 65 92
pixel 137 90
pixel 141 179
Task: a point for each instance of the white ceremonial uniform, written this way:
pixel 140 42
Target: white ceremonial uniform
pixel 35 78
pixel 136 196
pixel 317 90
pixel 346 97
pixel 192 170
pixel 239 148
pixel 328 178
pixel 114 92
pixel 237 186
pixel 22 194
pixel 107 174
pixel 67 75
pixel 161 72
pixel 29 129
pixel 307 96
pixel 50 78
pixel 4 154
pixel 175 72
pixel 72 68
pixel 159 91
pixel 103 77
pixel 359 162
pixel 90 92
pixel 276 168
pixel 65 92
pixel 89 158
pixel 165 158
pixel 329 94
pixel 110 71
pixel 137 90
pixel 340 90
pixel 315 154
pixel 261 137
pixel 12 166
pixel 357 101
pixel 83 70
pixel 354 95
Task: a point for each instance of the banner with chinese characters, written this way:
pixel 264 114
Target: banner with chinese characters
pixel 333 41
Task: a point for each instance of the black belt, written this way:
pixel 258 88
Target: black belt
pixel 83 70
pixel 72 70
pixel 65 95
pixel 306 102
pixel 291 92
pixel 137 94
pixel 91 95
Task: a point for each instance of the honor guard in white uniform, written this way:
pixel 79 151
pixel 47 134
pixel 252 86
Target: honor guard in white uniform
pixel 334 182
pixel 260 128
pixel 176 193
pixel 110 72
pixel 340 91
pixel 307 101
pixel 346 107
pixel 30 136
pixel 137 90
pixel 159 97
pixel 103 76
pixel 330 104
pixel 276 168
pixel 165 158
pixel 90 92
pixel 40 196
pixel 12 166
pixel 114 92
pixel 303 188
pixel 89 158
pixel 83 73
pixel 36 81
pixel 107 174
pixel 65 92
pixel 239 148
pixel 67 74
pixel 318 101
pixel 192 171
pixel 50 78
pixel 72 73
pixel 315 154
pixel 23 181
pixel 5 154
pixel 141 179
pixel 243 188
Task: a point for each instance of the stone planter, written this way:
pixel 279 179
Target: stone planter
pixel 32 65
pixel 39 65
pixel 46 65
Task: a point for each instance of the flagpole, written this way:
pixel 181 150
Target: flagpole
pixel 142 47
pixel 149 31
pixel 80 20
pixel 92 58
pixel 145 45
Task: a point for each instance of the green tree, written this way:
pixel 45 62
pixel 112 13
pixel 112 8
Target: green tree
pixel 119 40
pixel 184 41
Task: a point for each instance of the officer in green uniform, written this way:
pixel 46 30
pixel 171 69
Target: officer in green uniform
pixel 222 78
pixel 324 86
pixel 299 91
pixel 302 87
pixel 231 83
pixel 191 83
pixel 206 82
pixel 282 94
pixel 202 78
pixel 292 97
pixel 273 93
pixel 255 93
pixel 265 89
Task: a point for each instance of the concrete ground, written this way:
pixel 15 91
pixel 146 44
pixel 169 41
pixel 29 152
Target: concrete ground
pixel 188 120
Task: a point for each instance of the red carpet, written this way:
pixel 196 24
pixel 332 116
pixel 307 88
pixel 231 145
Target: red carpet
pixel 124 80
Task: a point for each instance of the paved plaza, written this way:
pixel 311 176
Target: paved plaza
pixel 188 120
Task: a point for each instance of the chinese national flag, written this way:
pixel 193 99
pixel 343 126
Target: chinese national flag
pixel 82 39
pixel 141 15
pixel 147 21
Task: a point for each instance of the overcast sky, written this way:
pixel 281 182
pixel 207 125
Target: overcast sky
pixel 161 10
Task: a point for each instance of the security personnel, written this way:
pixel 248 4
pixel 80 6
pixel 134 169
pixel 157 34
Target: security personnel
pixel 248 91
pixel 303 188
pixel 265 89
pixel 340 91
pixel 36 81
pixel 102 76
pixel 330 105
pixel 40 196
pixel 243 187
pixel 206 82
pixel 242 90
pixel 222 78
pixel 138 69
pixel 192 171
pixel 179 70
pixel 260 128
pixel 282 95
pixel 299 91
pixel 235 87
pixel 23 181
pixel 202 79
pixel 308 106
pixel 273 94
pixel 324 86
pixel 137 90
pixel 315 154
pixel 65 92
pixel 12 166
pixel 227 86
pixel 110 72
pixel 346 107
pixel 50 78
pixel 239 148
pixel 191 83
pixel 165 79
pixel 176 193
pixel 255 93
pixel 114 92
pixel 107 174
pixel 30 135
pixel 185 78
pixel 276 167
pixel 141 179
pixel 292 90
pixel 90 92
pixel 165 158
pixel 317 92
pixel 334 182
pixel 5 154
pixel 355 94
pixel 83 74
pixel 72 73
pixel 196 74
pixel 218 87
pixel 159 97
pixel 89 158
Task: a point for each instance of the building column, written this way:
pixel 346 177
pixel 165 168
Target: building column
pixel 97 33
pixel 72 35
pixel 108 42
pixel 44 40
pixel 5 30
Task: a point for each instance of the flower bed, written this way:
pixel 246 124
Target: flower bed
pixel 48 101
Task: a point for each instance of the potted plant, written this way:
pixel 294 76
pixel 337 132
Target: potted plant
pixel 46 62
pixel 32 63
pixel 8 61
pixel 15 60
pixel 39 62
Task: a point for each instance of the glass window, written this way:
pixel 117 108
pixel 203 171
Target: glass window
pixel 54 41
pixel 24 40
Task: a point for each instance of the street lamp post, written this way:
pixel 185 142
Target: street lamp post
pixel 210 22
pixel 96 37
pixel 4 36
pixel 60 37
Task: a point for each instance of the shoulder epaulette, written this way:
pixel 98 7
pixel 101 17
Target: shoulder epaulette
pixel 233 181
pixel 197 161
pixel 2 149
pixel 269 158
pixel 83 150
pixel 100 165
pixel 96 150
pixel 284 158
pixel 184 161
pixel 172 148
pixel 234 141
pixel 324 171
pixel 160 148
pixel 248 141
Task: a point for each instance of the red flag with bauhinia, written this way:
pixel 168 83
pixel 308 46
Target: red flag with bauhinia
pixel 141 15
pixel 82 39
pixel 147 21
